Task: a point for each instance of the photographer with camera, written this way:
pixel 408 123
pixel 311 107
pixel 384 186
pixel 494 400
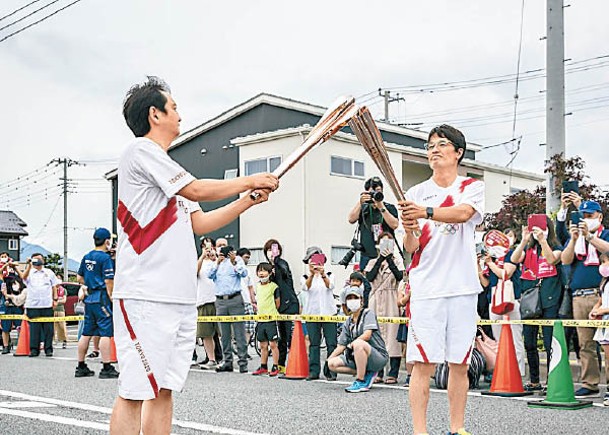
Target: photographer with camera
pixel 13 298
pixel 374 217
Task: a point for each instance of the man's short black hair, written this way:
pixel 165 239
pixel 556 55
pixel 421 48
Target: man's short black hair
pixel 99 242
pixel 357 275
pixel 4 253
pixel 452 134
pixel 138 101
pixel 243 251
pixel 373 182
pixel 36 254
pixel 264 266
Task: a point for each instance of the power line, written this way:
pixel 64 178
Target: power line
pixel 18 10
pixel 10 35
pixel 49 219
pixel 515 118
pixel 28 15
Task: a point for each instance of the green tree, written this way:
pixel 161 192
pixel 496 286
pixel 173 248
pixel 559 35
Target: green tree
pixel 53 262
pixel 516 208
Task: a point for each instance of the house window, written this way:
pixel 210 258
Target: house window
pixel 514 190
pixel 338 252
pixel 257 257
pixel 13 244
pixel 229 174
pixel 268 164
pixel 346 167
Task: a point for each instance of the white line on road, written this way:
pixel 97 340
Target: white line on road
pixel 87 407
pixel 25 404
pixel 55 419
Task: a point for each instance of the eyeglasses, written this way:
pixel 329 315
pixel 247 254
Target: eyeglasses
pixel 440 144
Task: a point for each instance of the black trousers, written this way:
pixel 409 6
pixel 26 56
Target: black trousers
pixel 530 333
pixel 40 331
pixel 285 339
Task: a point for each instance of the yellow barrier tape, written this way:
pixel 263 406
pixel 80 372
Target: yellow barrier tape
pixel 335 319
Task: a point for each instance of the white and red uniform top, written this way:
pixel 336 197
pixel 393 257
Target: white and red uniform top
pixel 156 257
pixel 445 263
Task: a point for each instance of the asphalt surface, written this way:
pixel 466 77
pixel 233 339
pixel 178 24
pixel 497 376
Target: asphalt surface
pixel 41 396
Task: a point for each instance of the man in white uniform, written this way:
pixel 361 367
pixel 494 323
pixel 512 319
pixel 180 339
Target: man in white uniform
pixel 155 290
pixel 440 216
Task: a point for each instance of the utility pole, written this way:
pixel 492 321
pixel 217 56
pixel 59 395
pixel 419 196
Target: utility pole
pixel 66 162
pixel 555 94
pixel 389 99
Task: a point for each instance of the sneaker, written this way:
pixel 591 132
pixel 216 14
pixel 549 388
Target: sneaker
pixel 531 386
pixel 49 354
pixel 6 350
pixel 243 370
pixel 274 372
pixel 94 354
pixel 369 379
pixel 282 370
pixel 209 365
pixel 261 371
pixel 459 432
pixel 224 368
pixel 64 345
pixel 357 387
pixel 584 392
pixel 83 372
pixel 312 377
pixel 407 383
pixel 111 373
pixel 606 399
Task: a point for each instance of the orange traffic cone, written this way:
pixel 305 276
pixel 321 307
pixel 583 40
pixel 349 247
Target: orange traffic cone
pixel 506 376
pixel 113 358
pixel 298 361
pixel 23 345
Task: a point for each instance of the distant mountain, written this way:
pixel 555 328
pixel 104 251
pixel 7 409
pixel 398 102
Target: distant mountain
pixel 28 249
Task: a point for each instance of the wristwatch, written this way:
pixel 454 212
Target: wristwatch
pixel 429 211
pixel 590 236
pixel 383 210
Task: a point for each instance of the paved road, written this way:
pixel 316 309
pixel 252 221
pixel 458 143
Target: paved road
pixel 41 395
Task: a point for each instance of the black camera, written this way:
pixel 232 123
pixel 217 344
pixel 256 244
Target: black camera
pixel 377 196
pixel 355 246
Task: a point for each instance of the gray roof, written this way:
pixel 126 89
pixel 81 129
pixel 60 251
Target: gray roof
pixel 10 223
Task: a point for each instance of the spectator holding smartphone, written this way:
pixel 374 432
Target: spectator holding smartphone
pixel 385 273
pixel 319 287
pixel 587 240
pixel 282 276
pixel 600 311
pixel 206 298
pixel 539 253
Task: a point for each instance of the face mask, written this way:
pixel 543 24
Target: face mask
pixel 545 233
pixel 16 287
pixel 37 263
pixel 4 260
pixel 604 270
pixel 353 305
pixel 108 245
pixel 512 241
pixel 264 280
pixel 592 223
pixel 269 254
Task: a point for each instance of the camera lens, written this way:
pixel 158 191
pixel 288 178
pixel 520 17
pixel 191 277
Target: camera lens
pixel 347 258
pixel 378 196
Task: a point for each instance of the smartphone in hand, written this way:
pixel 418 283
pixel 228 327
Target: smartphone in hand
pixel 576 217
pixel 537 220
pixel 570 186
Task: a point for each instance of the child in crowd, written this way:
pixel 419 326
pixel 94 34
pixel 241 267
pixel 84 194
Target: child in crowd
pixel 267 299
pixel 601 311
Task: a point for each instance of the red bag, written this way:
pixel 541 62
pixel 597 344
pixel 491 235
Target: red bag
pixel 503 299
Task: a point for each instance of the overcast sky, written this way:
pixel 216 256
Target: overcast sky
pixel 65 79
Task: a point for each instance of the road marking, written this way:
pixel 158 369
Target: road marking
pixel 25 404
pixel 104 410
pixel 469 393
pixel 55 419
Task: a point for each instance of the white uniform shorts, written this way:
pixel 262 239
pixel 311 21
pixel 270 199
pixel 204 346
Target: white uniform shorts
pixel 442 329
pixel 154 345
